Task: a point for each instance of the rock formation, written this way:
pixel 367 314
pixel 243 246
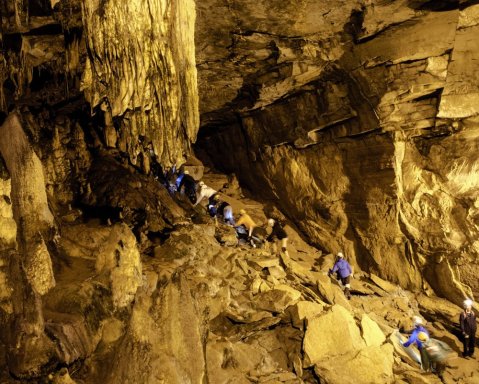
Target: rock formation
pixel 354 122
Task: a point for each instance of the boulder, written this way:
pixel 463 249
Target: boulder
pixel 277 299
pixel 304 310
pixel 371 364
pixel 323 333
pixel 383 284
pixel 329 292
pixel 371 332
pixel 226 235
pixel 265 262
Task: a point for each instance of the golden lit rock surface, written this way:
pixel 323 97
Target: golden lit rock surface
pixel 354 122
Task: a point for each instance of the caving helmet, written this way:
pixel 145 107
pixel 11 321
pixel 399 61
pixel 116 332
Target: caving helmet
pixel 422 336
pixel 242 212
pixel 416 320
pixel 467 303
pixel 270 222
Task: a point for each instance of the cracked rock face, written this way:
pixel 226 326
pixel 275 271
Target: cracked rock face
pixel 367 143
pixel 356 120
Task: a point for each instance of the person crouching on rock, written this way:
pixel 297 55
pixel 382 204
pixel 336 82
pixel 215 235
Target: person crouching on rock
pixel 277 233
pixel 344 272
pixel 247 221
pixel 419 336
pixel 203 192
pixel 216 208
pixel 188 186
pixel 467 321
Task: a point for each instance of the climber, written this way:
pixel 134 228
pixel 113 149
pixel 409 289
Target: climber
pixel 203 191
pixel 419 336
pixel 178 176
pixel 189 185
pixel 277 233
pixel 344 273
pixel 222 208
pixel 246 221
pixel 467 321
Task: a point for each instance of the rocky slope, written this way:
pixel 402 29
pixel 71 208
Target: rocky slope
pixel 198 308
pixel 356 119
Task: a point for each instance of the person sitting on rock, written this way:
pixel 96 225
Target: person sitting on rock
pixel 247 221
pixel 203 191
pixel 277 233
pixel 344 271
pixel 419 336
pixel 188 185
pixel 467 321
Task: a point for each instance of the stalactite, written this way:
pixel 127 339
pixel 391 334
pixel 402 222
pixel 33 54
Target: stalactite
pixel 145 71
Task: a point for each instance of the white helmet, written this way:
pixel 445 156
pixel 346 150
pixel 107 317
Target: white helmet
pixel 417 320
pixel 201 183
pixel 270 222
pixel 468 303
pixel 340 254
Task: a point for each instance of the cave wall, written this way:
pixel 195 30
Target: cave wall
pixel 144 71
pixel 375 152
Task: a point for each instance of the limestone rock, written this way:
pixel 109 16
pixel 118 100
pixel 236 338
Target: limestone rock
pixel 7 223
pixel 357 368
pixel 226 235
pixel 277 299
pixel 383 284
pixel 372 334
pixel 169 106
pixel 303 311
pixel 323 332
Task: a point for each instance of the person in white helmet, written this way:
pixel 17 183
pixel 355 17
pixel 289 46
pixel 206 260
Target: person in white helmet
pixel 419 336
pixel 203 191
pixel 277 233
pixel 467 321
pixel 344 271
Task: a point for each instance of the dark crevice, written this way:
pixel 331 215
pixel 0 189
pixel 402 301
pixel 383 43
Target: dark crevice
pixel 440 5
pixel 50 29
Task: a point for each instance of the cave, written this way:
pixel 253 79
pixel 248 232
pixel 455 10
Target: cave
pixel 353 125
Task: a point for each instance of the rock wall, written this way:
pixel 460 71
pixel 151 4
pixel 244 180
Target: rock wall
pixel 375 152
pixel 146 70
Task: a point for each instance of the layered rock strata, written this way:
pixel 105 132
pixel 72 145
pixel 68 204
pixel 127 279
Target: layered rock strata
pixel 374 152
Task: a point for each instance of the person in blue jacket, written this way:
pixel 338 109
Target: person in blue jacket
pixel 419 336
pixel 344 272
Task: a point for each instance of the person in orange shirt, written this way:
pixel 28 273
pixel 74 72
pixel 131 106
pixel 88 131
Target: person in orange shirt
pixel 247 221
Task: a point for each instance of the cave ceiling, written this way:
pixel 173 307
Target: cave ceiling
pixel 249 54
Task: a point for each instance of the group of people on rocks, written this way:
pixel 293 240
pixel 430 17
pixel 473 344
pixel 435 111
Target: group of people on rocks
pixel 433 352
pixel 220 209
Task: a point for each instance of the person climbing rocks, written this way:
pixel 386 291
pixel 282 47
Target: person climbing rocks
pixel 344 273
pixel 467 321
pixel 419 336
pixel 277 233
pixel 188 184
pixel 247 222
pixel 203 191
pixel 437 353
pixel 217 207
